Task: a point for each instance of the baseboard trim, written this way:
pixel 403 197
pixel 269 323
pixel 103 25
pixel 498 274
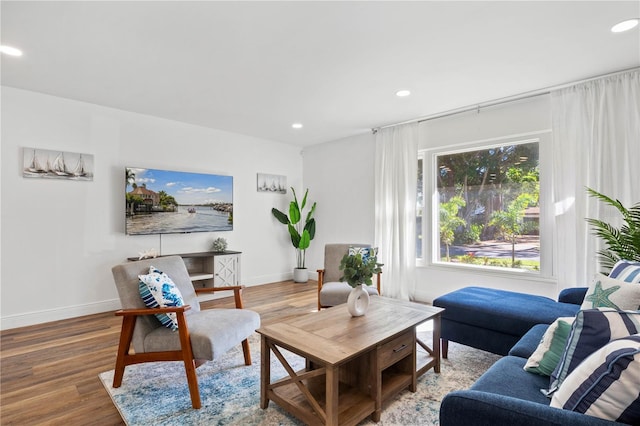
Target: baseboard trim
pixel 39 317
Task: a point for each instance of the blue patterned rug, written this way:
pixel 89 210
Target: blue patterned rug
pixel 157 393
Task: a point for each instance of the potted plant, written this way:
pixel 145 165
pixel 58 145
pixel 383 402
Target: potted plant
pixel 622 243
pixel 301 232
pixel 358 271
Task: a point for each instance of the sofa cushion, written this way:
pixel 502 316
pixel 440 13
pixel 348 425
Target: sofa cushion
pixel 529 342
pixel 626 270
pixel 612 293
pixel 548 353
pixel 506 377
pixel 592 329
pixel 606 383
pixel 504 311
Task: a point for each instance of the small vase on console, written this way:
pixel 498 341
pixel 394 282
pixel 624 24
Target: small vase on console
pixel 358 301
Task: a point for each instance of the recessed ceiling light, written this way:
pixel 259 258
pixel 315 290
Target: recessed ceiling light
pixel 624 25
pixel 10 50
pixel 297 125
pixel 403 93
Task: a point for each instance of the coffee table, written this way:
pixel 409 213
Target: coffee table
pixel 352 364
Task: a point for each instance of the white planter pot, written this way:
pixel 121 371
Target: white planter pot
pixel 300 275
pixel 358 301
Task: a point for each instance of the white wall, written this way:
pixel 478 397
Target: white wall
pixel 60 238
pixel 340 175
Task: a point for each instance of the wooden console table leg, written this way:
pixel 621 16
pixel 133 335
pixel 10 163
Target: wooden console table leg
pixel 265 371
pixel 436 343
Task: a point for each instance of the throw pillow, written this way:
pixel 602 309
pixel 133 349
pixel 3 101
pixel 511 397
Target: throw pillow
pixel 547 355
pixel 606 384
pixel 592 329
pixel 365 252
pixel 613 293
pixel 626 270
pixel 159 291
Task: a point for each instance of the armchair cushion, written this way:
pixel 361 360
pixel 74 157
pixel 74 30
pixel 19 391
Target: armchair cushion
pixel 337 293
pixel 212 331
pixel 159 291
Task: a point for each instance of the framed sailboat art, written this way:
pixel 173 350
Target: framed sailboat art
pixel 44 163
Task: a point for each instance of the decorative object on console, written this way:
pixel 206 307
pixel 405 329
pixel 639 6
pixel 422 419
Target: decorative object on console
pixel 622 243
pixel 44 163
pixel 166 202
pixel 219 244
pixel 301 232
pixel 272 183
pixel 358 267
pixel 148 254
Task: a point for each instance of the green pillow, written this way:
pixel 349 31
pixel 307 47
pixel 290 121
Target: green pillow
pixel 552 357
pixel 547 355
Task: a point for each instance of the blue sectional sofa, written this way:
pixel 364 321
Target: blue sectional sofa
pixel 495 320
pixel 506 394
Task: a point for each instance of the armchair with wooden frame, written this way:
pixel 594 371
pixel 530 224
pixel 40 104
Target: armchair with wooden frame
pixel 331 291
pixel 202 335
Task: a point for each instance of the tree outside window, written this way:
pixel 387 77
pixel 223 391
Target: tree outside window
pixel 488 206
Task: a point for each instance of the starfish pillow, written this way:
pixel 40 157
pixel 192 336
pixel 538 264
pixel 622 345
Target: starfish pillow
pixel 605 292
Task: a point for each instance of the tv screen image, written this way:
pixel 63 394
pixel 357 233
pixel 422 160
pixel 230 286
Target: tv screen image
pixel 168 202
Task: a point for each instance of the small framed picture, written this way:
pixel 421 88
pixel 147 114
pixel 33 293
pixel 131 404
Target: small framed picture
pixel 272 183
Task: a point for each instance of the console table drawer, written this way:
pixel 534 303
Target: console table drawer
pixel 396 349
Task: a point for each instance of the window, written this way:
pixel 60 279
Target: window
pixel 486 208
pixel 419 207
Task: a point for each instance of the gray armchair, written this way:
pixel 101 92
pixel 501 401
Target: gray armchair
pixel 331 291
pixel 202 335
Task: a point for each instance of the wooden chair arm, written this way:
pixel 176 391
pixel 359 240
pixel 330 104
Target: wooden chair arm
pixel 152 311
pixel 237 293
pixel 320 278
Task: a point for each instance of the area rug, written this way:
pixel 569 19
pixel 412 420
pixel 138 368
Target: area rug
pixel 157 393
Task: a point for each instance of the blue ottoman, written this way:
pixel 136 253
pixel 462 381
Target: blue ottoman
pixel 494 320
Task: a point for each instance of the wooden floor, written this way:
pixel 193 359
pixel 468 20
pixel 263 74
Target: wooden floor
pixel 49 372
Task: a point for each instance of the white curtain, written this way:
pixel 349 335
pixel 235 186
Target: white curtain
pixel 396 169
pixel 596 144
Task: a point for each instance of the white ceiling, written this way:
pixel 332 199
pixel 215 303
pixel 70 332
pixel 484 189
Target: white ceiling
pixel 257 67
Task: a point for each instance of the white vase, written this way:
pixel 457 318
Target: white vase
pixel 300 275
pixel 358 301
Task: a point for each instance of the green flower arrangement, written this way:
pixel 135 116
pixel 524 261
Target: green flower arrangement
pixel 358 271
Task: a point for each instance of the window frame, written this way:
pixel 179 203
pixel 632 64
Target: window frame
pixel 430 225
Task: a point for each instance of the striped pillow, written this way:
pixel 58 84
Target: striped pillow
pixel 606 384
pixel 626 270
pixel 592 329
pixel 159 291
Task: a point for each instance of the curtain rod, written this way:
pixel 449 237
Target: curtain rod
pixel 507 99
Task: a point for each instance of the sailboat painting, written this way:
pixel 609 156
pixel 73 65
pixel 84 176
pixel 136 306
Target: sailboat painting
pixel 272 183
pixel 44 163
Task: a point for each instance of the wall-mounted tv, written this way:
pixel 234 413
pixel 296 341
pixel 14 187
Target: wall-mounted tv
pixel 169 202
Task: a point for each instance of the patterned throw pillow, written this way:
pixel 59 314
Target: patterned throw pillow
pixel 626 270
pixel 159 291
pixel 592 329
pixel 365 252
pixel 606 292
pixel 548 353
pixel 606 384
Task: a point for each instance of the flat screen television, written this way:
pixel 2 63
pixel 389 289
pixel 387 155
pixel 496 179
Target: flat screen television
pixel 170 202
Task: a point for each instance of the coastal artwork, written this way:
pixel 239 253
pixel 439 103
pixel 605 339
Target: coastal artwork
pixel 167 202
pixel 272 183
pixel 48 164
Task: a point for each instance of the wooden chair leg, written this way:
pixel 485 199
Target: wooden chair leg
pixel 189 363
pixel 126 334
pixel 246 351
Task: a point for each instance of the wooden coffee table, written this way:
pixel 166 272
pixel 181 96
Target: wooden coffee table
pixel 352 364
